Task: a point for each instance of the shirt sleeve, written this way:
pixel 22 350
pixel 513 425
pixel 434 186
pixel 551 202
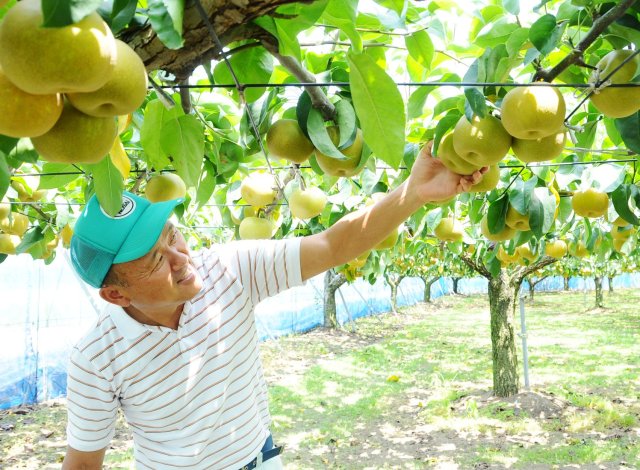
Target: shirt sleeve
pixel 264 267
pixel 92 406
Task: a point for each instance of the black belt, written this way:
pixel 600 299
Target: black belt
pixel 267 452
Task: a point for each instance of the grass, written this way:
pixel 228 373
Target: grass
pixel 413 391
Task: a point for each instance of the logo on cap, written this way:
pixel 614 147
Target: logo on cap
pixel 128 206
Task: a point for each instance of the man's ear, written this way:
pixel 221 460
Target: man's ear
pixel 115 295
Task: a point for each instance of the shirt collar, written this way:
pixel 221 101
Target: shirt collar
pixel 130 328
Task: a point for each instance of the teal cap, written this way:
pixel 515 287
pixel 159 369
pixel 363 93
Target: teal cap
pixel 100 240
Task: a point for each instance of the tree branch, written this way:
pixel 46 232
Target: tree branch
pixel 318 99
pixel 546 261
pixel 575 56
pixel 477 267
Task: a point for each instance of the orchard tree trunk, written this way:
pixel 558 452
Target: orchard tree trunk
pixel 566 282
pixel 455 281
pixel 599 299
pixel 428 282
pixel 610 279
pixel 502 296
pixel 394 281
pixel 332 283
pixel 532 289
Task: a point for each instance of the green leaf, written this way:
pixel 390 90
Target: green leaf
pixel 121 14
pixel 320 137
pixel 155 115
pixel 379 107
pixel 183 140
pixel 621 197
pixel 512 6
pixel 421 48
pixel 417 101
pixel 346 120
pixel 496 33
pixel 207 184
pixel 342 14
pixel 606 177
pixel 629 128
pixel 53 178
pixel 253 65
pixel 108 185
pixel 520 195
pixel 58 13
pixel 7 144
pixel 5 175
pixel 302 111
pixel 476 101
pixel 30 239
pixel 166 20
pixel 545 33
pixel 497 214
pixel 541 210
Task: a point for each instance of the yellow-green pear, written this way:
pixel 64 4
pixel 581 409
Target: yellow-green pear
pixel 123 93
pixel 286 140
pixel 507 233
pixel 23 114
pixel 359 261
pixel 591 203
pixel 43 61
pixel 353 153
pixel 516 220
pixel 556 249
pixel 307 203
pixel 9 243
pixel 255 228
pixel 533 112
pixel 488 182
pixel 611 101
pixel 449 230
pixel 578 249
pixel 540 150
pixel 505 257
pixel 65 235
pixel 258 189
pixel 77 138
pixel 164 187
pixel 15 224
pixel 5 208
pixel 524 252
pixel 450 158
pixel 389 241
pixel 481 141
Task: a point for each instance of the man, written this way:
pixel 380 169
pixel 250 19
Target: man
pixel 177 349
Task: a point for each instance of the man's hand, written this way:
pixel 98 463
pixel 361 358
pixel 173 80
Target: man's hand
pixel 431 181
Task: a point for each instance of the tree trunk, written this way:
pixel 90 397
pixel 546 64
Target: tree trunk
pixel 428 282
pixel 332 283
pixel 532 289
pixel 599 300
pixel 566 283
pixel 610 279
pixel 455 280
pixel 394 294
pixel 505 362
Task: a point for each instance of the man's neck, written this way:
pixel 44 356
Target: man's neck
pixel 169 318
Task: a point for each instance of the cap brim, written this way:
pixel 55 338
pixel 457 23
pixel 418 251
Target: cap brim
pixel 146 231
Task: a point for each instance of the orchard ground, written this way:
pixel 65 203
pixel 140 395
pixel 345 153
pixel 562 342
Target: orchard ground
pixel 413 391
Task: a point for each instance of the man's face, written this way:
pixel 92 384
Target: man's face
pixel 163 277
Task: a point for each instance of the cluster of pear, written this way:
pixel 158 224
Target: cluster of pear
pixel 64 87
pixel 617 102
pixel 286 140
pixel 531 125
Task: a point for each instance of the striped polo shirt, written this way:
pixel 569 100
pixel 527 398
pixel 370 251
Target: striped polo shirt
pixel 195 397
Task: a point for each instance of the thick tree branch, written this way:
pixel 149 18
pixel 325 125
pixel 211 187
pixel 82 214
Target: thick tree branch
pixel 546 261
pixel 477 267
pixel 575 56
pixel 318 99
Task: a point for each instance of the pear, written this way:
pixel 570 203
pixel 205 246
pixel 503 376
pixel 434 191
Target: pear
pixel 533 112
pixel 77 138
pixel 481 141
pixel 123 93
pixel 43 61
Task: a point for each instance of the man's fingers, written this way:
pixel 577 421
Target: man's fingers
pixel 425 152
